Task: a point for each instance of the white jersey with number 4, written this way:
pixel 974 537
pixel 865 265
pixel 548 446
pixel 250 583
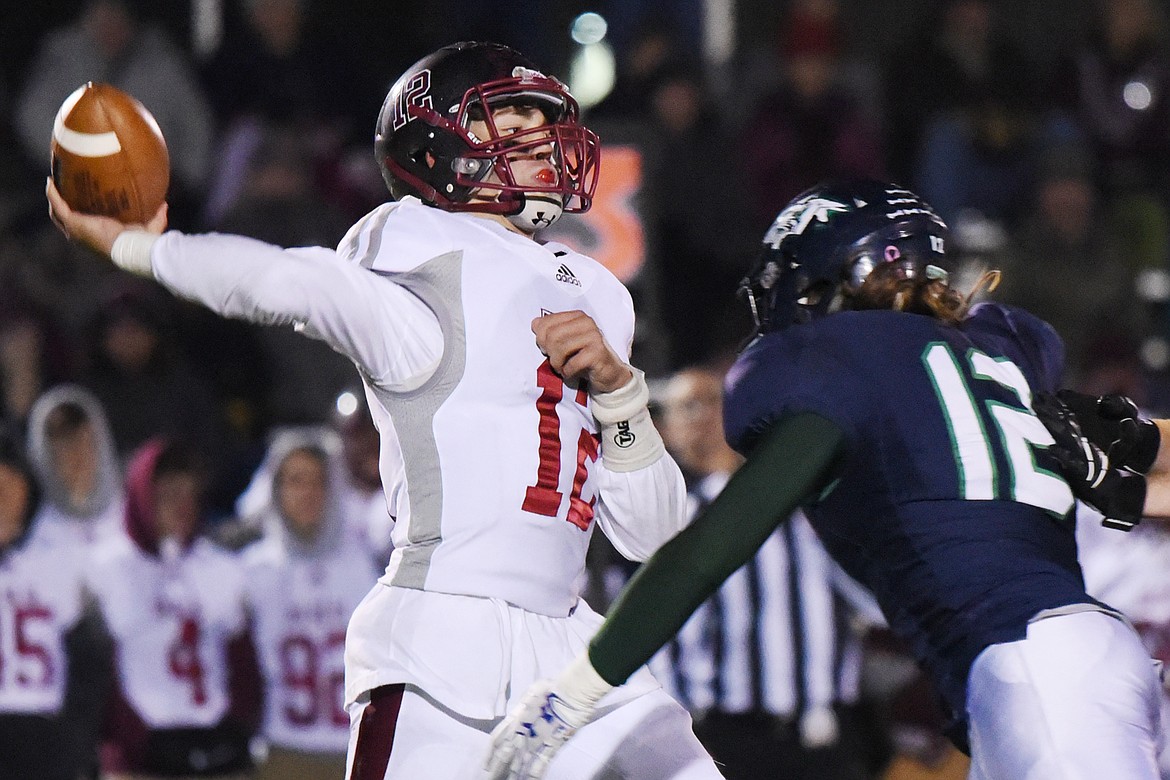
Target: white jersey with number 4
pixel 171 621
pixel 40 600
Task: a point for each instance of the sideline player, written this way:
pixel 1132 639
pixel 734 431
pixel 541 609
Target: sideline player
pixel 42 573
pixel 511 424
pixel 304 578
pixel 903 421
pixel 72 450
pixel 185 696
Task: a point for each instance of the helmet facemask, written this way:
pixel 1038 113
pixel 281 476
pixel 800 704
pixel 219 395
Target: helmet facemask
pixel 482 177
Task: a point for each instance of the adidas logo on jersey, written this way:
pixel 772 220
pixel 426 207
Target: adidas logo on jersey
pixel 567 276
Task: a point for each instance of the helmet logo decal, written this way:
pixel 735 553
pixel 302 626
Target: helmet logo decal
pixel 414 92
pixel 527 75
pixel 797 217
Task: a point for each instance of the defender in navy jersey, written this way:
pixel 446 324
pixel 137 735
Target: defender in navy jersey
pixel 944 505
pixel 902 421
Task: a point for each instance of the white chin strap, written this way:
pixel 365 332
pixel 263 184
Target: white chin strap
pixel 538 212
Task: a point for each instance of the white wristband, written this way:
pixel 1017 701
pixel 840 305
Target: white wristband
pixel 131 251
pixel 580 685
pixel 629 440
pixel 623 403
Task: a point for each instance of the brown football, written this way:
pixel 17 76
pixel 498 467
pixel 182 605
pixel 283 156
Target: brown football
pixel 108 155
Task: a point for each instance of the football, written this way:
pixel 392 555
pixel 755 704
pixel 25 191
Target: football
pixel 108 155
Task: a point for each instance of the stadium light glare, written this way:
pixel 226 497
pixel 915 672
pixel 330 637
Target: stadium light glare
pixel 592 73
pixel 589 28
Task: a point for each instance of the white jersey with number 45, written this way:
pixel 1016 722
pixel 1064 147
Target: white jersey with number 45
pixel 40 600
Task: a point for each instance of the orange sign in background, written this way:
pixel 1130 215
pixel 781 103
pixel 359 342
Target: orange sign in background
pixel 612 231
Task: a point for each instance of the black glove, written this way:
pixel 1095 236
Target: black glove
pixel 1117 493
pixel 1113 423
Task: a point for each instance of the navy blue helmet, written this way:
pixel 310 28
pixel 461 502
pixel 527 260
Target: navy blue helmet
pixel 826 241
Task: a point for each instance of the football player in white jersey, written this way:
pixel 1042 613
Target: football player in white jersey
pixel 41 581
pixel 511 423
pixel 72 451
pixel 304 579
pixel 186 695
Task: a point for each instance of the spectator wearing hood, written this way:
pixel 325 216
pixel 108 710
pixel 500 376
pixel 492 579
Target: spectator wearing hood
pixel 305 577
pixel 184 702
pixel 351 443
pixel 41 575
pixel 73 454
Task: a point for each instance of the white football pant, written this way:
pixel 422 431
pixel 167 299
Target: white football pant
pixel 647 738
pixel 1077 699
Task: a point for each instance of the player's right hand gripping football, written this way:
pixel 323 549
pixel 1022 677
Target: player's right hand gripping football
pixel 1117 492
pixel 524 743
pixel 94 231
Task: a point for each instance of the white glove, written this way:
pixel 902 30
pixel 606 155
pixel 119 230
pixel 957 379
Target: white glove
pixel 524 743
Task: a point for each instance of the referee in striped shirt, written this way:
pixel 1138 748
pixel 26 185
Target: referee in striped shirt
pixel 770 665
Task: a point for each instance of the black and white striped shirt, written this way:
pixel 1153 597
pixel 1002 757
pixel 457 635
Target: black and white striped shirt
pixel 776 638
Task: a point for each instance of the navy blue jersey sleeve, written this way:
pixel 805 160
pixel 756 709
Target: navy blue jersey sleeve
pixel 1043 350
pixel 788 372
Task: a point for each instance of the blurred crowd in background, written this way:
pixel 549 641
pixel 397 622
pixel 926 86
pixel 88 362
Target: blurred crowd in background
pixel 1050 162
pixel 1041 134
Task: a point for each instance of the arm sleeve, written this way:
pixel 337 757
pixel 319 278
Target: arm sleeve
pixel 641 510
pixel 386 330
pixel 793 461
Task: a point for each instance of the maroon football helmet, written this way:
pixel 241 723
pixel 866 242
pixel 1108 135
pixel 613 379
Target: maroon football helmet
pixel 425 149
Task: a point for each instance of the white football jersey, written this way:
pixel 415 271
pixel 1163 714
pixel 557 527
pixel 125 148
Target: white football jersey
pixel 489 460
pixel 40 600
pixel 489 463
pixel 300 606
pixel 92 531
pixel 172 620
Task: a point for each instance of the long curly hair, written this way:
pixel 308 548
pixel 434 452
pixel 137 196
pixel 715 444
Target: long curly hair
pixel 887 287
